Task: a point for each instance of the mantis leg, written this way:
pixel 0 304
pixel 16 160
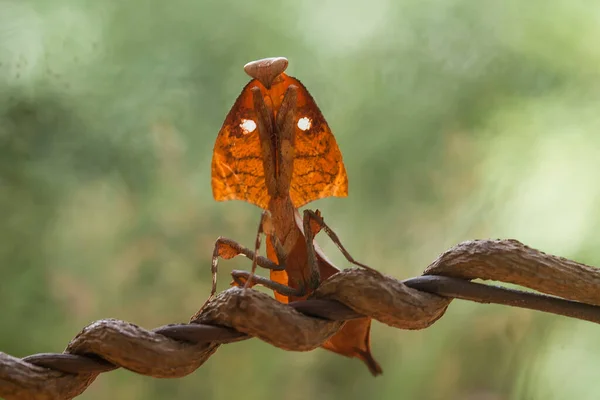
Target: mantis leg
pixel 247 279
pixel 228 249
pixel 310 231
pixel 265 226
pixel 242 278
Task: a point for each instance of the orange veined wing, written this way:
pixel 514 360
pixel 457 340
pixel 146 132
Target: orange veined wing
pixel 318 166
pixel 237 166
pixel 237 169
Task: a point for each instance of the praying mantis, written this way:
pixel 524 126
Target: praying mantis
pixel 276 151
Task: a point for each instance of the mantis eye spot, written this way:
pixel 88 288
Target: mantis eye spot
pixel 248 126
pixel 304 123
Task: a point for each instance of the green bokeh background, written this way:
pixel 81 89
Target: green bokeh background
pixel 457 120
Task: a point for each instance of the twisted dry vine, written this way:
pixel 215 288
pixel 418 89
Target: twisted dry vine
pixel 236 314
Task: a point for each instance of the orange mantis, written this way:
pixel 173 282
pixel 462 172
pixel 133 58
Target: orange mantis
pixel 276 150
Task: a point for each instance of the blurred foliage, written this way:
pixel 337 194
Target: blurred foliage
pixel 457 120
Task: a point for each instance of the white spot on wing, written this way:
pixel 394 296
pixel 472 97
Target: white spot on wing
pixel 248 126
pixel 304 123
